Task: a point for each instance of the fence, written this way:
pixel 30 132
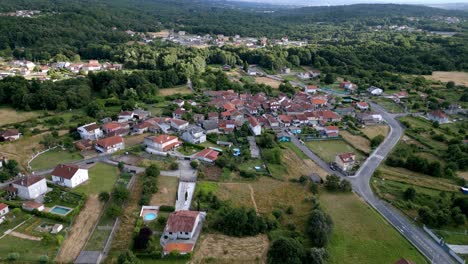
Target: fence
pixel 441 242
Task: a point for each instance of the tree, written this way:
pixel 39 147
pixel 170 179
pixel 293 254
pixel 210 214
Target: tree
pixel 127 257
pixel 313 187
pixel 120 194
pixel 450 85
pixel 285 250
pixel 14 256
pixel 315 256
pixel 114 211
pixel 121 165
pixel 319 228
pixel 104 197
pixel 375 141
pixel 143 238
pixel 44 259
pixel 332 183
pixel 345 186
pixel 329 78
pixel 152 171
pixel 194 164
pixel 409 194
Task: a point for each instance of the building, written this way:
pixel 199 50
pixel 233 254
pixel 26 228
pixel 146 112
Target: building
pixel 332 131
pixel 349 86
pixel 311 89
pixel 3 209
pixel 84 144
pixel 181 248
pixel 374 91
pixel 345 161
pixel 110 144
pixel 30 187
pixel 90 131
pixel 254 126
pixel 162 143
pixel 32 205
pixel 181 225
pixel 179 124
pixel 125 116
pixel 9 135
pixel 362 105
pixel 69 175
pixel 369 118
pixel 438 116
pixel 110 127
pixel 210 126
pixel 92 65
pixel 194 135
pixel 207 155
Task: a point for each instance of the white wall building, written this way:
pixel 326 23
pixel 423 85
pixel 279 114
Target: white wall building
pixel 90 131
pixel 69 175
pixel 30 187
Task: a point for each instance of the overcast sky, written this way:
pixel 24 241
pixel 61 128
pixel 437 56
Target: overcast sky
pixel 345 2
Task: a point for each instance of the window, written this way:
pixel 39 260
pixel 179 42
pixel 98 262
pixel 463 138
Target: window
pixel 170 233
pixel 186 233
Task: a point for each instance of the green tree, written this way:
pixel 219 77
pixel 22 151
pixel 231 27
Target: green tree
pixel 315 256
pixel 329 78
pixel 104 196
pixel 409 194
pixel 332 183
pixel 152 171
pixel 319 228
pixel 127 257
pixel 450 85
pixel 375 141
pixel 285 250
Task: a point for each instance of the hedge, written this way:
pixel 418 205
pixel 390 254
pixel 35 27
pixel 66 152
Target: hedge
pixel 166 208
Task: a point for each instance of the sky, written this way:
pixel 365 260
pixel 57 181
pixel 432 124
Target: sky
pixel 348 2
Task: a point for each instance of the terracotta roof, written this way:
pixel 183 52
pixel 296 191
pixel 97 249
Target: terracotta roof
pixel 9 133
pixel 66 171
pixel 28 180
pixel 161 139
pixel 362 104
pixel 111 126
pixel 32 204
pixel 318 101
pixel 109 141
pixel 208 154
pixel 126 113
pixel 404 261
pixel 347 157
pixel 285 118
pixel 253 121
pixel 439 114
pixel 328 128
pixel 3 206
pixel 179 111
pixel 229 106
pixel 91 127
pixel 179 247
pixel 178 122
pixel 181 221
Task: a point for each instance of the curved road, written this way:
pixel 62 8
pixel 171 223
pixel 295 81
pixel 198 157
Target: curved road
pixel 361 185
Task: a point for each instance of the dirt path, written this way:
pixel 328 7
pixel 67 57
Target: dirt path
pixel 24 236
pixel 253 198
pixel 80 231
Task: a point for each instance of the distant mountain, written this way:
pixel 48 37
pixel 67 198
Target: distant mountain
pixel 350 2
pixel 452 6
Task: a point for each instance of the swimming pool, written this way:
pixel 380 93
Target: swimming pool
pixel 149 216
pixel 60 210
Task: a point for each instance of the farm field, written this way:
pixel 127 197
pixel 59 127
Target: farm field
pixel 372 131
pixel 11 116
pixel 167 192
pixel 52 158
pixel 361 235
pixel 328 149
pixel 460 78
pixel 273 83
pixel 182 89
pixel 358 142
pixel 217 248
pixel 29 250
pixel 102 177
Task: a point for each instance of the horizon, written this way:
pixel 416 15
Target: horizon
pixel 352 2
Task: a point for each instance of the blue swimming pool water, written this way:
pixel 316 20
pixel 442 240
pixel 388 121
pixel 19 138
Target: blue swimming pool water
pixel 60 210
pixel 149 216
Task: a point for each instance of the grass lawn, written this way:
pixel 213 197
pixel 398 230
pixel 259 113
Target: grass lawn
pixel 388 104
pixel 167 192
pixel 361 236
pixel 54 157
pixel 328 149
pixel 164 261
pixel 29 250
pixel 14 221
pixel 372 131
pixel 452 237
pixel 102 178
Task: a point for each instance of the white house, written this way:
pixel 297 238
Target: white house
pixel 125 116
pixel 374 90
pixel 3 209
pixel 69 175
pixel 30 187
pixel 255 126
pixel 345 161
pixel 32 205
pixel 110 144
pixel 311 89
pixel 362 105
pixel 194 135
pixel 162 143
pixel 179 124
pixel 438 116
pixel 9 135
pixel 181 225
pixel 93 65
pixel 90 131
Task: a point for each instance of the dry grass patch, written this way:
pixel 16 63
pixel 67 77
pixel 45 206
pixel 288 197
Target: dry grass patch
pixel 273 83
pixel 460 78
pixel 80 231
pixel 10 116
pixel 296 167
pixel 463 174
pixel 167 192
pixel 358 142
pixel 313 167
pixel 135 139
pixel 217 248
pixel 372 131
pixel 237 193
pixel 175 90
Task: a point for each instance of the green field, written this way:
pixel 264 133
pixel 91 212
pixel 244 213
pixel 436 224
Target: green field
pixel 102 178
pixel 54 157
pixel 100 235
pixel 388 104
pixel 362 236
pixel 328 149
pixel 29 250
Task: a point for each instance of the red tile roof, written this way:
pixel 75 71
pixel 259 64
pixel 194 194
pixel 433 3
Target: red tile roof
pixel 179 247
pixel 91 127
pixel 32 204
pixel 253 121
pixel 3 206
pixel 66 171
pixel 347 157
pixel 109 141
pixel 28 180
pixel 111 126
pixel 181 221
pixel 318 101
pixel 362 104
pixel 331 128
pixel 208 154
pixel 438 114
pixel 161 139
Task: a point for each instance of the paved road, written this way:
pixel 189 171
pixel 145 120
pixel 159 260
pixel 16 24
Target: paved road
pixel 361 185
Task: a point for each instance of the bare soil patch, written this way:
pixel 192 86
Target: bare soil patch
pixel 212 173
pixel 24 236
pixel 460 78
pixel 358 142
pixel 81 230
pixel 273 83
pixel 216 248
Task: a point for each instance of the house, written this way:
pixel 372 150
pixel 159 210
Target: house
pixel 285 120
pixel 125 116
pixel 162 143
pixel 254 126
pixel 179 102
pixel 213 116
pixel 69 175
pixel 178 113
pixel 438 116
pixel 179 124
pixel 210 126
pixel 194 135
pixel 252 71
pixel 110 144
pixel 345 161
pixel 141 114
pixel 92 65
pixel 376 91
pixel 110 127
pixel 349 86
pixel 311 89
pixel 3 209
pixel 181 225
pixel 362 105
pixel 303 75
pixel 9 135
pixel 141 128
pixel 226 67
pixel 331 131
pixel 90 131
pixel 84 144
pixel 32 205
pixel 226 126
pixel 207 155
pixel 30 187
pixel 285 70
pixel 369 118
